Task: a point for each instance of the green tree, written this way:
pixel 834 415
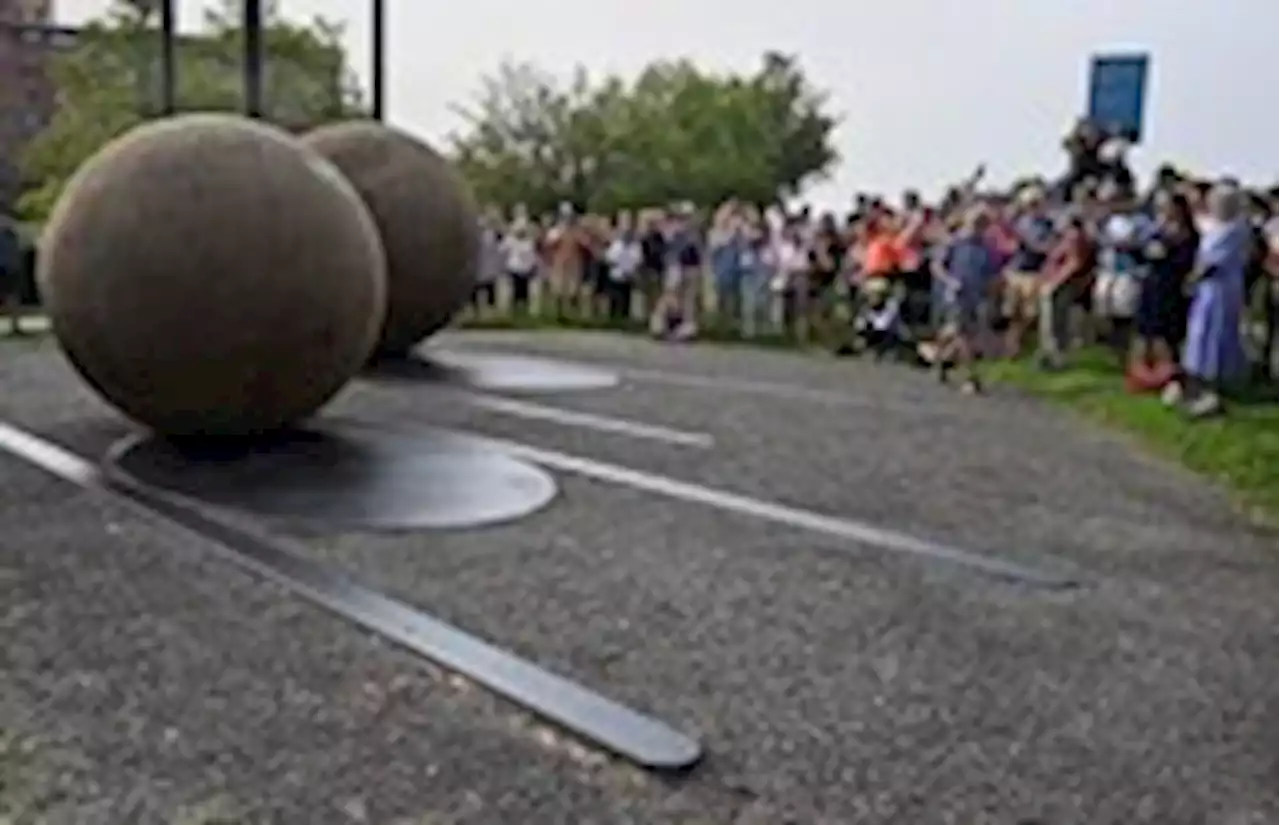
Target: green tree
pixel 675 132
pixel 108 82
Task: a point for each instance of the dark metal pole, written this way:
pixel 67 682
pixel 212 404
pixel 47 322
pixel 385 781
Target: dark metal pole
pixel 379 48
pixel 168 70
pixel 253 58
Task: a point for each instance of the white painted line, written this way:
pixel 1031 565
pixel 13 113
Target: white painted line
pixel 591 421
pixel 772 389
pixel 47 456
pixel 856 531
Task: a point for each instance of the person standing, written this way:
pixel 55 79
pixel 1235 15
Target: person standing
pixel 520 257
pixel 565 246
pixel 1033 236
pixel 1161 320
pixel 1271 271
pixel 757 265
pixel 967 270
pixel 653 246
pixel 1123 233
pixel 623 258
pixel 1067 275
pixel 677 308
pixel 1214 352
pixel 725 244
pixel 11 266
pixel 485 294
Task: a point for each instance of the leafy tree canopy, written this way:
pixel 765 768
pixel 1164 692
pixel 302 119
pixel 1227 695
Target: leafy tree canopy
pixel 109 81
pixel 674 132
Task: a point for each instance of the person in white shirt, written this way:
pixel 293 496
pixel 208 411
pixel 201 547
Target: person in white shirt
pixel 790 278
pixel 520 260
pixel 484 296
pixel 623 258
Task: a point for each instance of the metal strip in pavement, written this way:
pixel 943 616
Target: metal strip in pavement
pixel 597 719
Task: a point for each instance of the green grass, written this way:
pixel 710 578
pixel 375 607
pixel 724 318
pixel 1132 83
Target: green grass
pixel 1238 449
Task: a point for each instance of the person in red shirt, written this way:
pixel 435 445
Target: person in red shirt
pixel 1067 275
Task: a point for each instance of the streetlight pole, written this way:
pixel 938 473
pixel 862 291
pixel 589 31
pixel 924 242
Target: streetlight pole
pixel 378 53
pixel 168 71
pixel 253 58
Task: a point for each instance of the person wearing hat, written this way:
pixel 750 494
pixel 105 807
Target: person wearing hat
pixel 1033 233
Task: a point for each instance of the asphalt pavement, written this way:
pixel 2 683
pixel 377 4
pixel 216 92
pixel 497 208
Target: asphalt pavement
pixel 797 560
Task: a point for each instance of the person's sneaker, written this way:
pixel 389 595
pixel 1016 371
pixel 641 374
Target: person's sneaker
pixel 1204 405
pixel 1049 363
pixel 971 387
pixel 1171 395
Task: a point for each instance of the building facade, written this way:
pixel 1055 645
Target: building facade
pixel 27 37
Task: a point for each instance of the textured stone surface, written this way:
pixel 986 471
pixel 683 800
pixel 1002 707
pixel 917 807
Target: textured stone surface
pixel 427 219
pixel 207 274
pixel 831 682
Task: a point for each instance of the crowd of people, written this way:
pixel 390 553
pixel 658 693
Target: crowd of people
pixel 1168 275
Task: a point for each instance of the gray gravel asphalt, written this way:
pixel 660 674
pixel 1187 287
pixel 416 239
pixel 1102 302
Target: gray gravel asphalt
pixel 832 682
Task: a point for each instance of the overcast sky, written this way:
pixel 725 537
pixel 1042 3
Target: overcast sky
pixel 927 88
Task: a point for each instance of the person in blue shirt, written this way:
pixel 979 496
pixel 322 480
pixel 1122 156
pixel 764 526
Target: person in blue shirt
pixel 967 271
pixel 1034 232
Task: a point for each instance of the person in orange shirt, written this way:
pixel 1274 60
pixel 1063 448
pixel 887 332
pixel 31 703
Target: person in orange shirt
pixel 881 252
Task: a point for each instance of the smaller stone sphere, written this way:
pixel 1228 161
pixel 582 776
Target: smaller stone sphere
pixel 426 216
pixel 210 276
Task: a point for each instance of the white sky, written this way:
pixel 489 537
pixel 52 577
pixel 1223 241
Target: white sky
pixel 927 88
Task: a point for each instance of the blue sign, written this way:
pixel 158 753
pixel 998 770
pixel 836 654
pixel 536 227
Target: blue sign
pixel 1117 93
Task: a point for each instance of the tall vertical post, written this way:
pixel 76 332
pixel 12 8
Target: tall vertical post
pixel 378 53
pixel 168 58
pixel 253 58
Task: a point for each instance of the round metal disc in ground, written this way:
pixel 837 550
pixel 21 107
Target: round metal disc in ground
pixel 354 478
pixel 496 372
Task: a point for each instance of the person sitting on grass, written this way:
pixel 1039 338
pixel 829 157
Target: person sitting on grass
pixel 968 269
pixel 878 327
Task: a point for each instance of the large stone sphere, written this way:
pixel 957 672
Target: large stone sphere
pixel 210 276
pixel 427 218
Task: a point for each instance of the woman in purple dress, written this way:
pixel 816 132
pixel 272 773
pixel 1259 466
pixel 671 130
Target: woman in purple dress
pixel 1214 352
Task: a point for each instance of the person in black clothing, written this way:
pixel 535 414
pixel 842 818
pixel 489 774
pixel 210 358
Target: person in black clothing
pixel 653 259
pixel 11 267
pixel 1161 319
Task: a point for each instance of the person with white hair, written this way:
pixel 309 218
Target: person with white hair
pixel 1214 353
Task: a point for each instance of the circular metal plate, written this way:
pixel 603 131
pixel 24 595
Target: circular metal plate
pixel 357 477
pixel 503 373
